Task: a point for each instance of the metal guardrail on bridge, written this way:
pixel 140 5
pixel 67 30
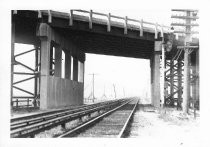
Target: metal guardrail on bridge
pixel 94 17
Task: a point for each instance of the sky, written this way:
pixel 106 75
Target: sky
pixel 129 76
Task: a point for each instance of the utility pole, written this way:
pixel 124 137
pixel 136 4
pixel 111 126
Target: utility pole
pixel 190 15
pixel 93 88
pixel 115 94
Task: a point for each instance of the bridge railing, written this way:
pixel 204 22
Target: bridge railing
pixel 127 21
pixel 95 17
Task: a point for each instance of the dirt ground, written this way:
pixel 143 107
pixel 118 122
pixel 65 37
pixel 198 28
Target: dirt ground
pixel 165 125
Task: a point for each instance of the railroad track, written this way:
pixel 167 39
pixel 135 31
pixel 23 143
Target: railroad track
pixel 35 118
pixel 112 123
pixel 29 126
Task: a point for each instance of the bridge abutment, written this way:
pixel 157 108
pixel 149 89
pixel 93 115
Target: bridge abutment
pixel 56 91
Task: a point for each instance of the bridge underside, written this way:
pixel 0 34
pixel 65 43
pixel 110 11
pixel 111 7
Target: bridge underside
pixel 96 40
pixel 51 38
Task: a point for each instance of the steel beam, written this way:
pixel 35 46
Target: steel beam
pixel 12 58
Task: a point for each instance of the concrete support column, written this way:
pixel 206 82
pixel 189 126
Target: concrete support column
pixel 155 73
pixel 67 65
pixel 58 61
pixel 45 69
pixel 44 32
pixel 75 69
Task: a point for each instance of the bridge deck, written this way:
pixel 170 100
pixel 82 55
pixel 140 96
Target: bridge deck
pixel 97 39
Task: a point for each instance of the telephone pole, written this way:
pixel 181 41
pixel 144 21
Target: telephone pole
pixel 190 15
pixel 93 88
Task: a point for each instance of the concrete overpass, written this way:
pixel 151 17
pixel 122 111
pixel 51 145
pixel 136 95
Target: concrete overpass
pixel 80 32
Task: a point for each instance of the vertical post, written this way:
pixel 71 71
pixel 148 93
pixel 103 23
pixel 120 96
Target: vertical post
pixel 44 32
pixel 152 78
pixel 45 67
pixel 93 88
pixel 16 103
pixel 49 17
pixel 141 28
pixel 162 81
pixel 71 18
pixel 67 65
pixel 83 80
pixel 36 71
pixel 194 88
pixel 75 69
pixel 52 65
pixel 156 31
pixel 58 61
pixel 81 72
pixel 28 102
pixel 126 25
pixel 155 73
pixel 179 72
pixel 172 78
pixel 39 79
pixel 12 58
pixel 197 74
pixel 109 22
pixel 186 89
pixel 91 19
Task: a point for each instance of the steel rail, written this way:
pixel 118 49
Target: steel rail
pixel 128 121
pixel 92 121
pixel 46 116
pixel 49 112
pixel 32 121
pixel 41 126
